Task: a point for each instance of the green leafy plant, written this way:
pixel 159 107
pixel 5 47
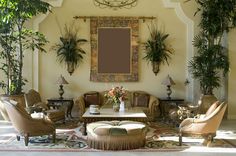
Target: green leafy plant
pixel 15 39
pixel 217 17
pixel 69 50
pixel 156 48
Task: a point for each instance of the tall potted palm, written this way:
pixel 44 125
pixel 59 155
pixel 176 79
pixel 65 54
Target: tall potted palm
pixel 15 39
pixel 156 48
pixel 217 17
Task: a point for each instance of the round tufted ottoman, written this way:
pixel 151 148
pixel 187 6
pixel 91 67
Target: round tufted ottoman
pixel 116 135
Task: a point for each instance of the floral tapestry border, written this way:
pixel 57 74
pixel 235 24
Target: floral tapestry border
pixel 129 22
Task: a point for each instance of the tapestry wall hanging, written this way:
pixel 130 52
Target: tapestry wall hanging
pixel 114 49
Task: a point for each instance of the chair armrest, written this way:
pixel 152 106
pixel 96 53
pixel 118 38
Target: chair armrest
pixel 185 122
pixel 153 104
pixel 199 116
pixel 81 105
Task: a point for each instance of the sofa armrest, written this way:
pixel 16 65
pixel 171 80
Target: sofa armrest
pixel 81 105
pixel 153 105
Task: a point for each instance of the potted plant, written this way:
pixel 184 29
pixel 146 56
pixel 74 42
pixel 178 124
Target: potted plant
pixel 156 48
pixel 15 39
pixel 217 17
pixel 69 50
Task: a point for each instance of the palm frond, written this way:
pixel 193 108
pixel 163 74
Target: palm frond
pixel 69 49
pixel 156 46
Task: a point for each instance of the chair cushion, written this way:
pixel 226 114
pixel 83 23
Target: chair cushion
pixel 140 99
pixel 55 115
pixel 91 98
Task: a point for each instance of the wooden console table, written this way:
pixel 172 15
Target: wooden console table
pixel 167 104
pixel 57 103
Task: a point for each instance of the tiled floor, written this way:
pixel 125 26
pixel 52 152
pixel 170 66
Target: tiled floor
pixel 227 130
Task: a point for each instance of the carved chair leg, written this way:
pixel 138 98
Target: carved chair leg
pixel 26 139
pixel 18 137
pixel 208 140
pixel 180 139
pixel 54 137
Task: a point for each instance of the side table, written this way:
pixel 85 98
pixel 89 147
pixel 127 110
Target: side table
pixel 167 104
pixel 58 102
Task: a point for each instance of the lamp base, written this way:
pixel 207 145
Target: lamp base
pixel 61 91
pixel 168 92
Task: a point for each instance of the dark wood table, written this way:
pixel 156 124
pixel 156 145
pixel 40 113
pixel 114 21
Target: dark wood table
pixel 167 104
pixel 58 102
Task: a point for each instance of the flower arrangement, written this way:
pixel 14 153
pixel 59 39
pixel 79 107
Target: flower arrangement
pixel 116 95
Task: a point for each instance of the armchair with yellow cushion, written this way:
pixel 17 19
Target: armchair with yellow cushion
pixel 206 126
pixel 147 102
pixel 26 125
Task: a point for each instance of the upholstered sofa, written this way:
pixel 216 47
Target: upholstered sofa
pixel 147 102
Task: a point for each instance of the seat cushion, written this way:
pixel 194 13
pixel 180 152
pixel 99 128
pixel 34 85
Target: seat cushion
pixel 55 115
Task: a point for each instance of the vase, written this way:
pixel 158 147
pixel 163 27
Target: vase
pixel 116 107
pixel 70 67
pixel 205 102
pixel 122 106
pixel 155 67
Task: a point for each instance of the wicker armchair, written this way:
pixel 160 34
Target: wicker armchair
pixel 205 126
pixel 26 125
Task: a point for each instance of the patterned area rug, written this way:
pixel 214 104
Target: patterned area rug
pixel 160 137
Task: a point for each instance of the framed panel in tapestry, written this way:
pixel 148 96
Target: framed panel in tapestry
pixel 114 49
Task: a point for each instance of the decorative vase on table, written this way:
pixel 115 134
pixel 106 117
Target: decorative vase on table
pixel 116 95
pixel 122 106
pixel 116 107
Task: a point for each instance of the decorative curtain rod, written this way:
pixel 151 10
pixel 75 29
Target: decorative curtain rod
pixel 139 17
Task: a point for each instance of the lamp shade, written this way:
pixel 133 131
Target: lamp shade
pixel 168 81
pixel 61 80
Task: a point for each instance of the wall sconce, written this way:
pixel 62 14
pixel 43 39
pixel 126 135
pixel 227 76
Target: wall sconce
pixel 168 81
pixel 186 82
pixel 61 80
pixel 115 4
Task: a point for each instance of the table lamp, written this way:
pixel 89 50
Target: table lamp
pixel 61 80
pixel 168 81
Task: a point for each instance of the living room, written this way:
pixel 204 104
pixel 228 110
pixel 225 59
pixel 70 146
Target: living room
pixel 173 17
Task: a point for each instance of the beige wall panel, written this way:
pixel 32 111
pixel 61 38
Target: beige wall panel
pixel 232 75
pixel 50 69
